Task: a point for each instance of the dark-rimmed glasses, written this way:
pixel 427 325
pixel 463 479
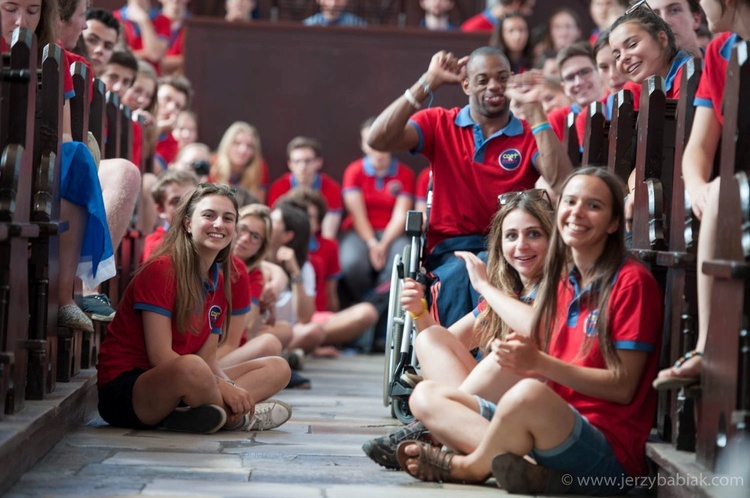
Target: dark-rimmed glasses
pixel 534 194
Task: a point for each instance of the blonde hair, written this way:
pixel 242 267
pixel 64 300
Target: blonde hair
pixel 252 174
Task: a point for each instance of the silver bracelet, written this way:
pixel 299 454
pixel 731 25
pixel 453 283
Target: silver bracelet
pixel 411 99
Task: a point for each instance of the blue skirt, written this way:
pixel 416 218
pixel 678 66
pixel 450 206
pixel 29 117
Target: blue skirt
pixel 79 184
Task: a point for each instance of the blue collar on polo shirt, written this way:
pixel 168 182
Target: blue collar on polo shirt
pixel 463 119
pixel 681 58
pixel 315 184
pixel 726 50
pixel 369 170
pixel 210 285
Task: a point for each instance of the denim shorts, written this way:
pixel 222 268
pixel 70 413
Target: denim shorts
pixel 116 401
pixel 588 458
pixel 585 455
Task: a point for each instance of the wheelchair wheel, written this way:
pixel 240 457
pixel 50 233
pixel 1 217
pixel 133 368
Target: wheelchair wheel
pixel 400 410
pixel 391 349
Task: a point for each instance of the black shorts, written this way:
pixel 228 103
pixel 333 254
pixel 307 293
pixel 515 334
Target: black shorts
pixel 116 401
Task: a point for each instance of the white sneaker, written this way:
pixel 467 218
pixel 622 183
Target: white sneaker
pixel 269 414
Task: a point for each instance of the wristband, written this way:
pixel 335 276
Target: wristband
pixel 412 99
pixel 544 125
pixel 423 81
pixel 297 279
pixel 372 243
pixel 422 313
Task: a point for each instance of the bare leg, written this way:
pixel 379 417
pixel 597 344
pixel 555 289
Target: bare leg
pixel 347 325
pixel 70 249
pixel 706 251
pixel 158 391
pixel 443 357
pixel 257 347
pixel 281 330
pixel 307 336
pixel 121 182
pixel 262 378
pixel 529 416
pixel 443 409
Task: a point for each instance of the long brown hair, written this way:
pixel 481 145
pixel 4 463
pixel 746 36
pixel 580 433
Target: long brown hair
pixel 178 245
pixel 500 273
pixel 559 264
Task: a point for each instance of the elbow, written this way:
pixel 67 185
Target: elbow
pixel 624 395
pixel 377 140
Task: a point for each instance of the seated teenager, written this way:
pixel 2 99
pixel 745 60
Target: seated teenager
pixel 239 160
pixel 158 365
pixel 378 191
pixel 518 244
pixel 585 407
pixel 305 162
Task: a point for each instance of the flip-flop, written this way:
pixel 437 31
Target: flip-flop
pixel 517 475
pixel 435 464
pixel 674 381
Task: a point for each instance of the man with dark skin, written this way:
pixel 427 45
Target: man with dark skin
pixel 475 153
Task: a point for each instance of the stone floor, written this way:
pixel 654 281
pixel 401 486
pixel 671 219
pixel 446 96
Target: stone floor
pixel 316 454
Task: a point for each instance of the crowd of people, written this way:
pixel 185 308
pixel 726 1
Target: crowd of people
pixel 536 331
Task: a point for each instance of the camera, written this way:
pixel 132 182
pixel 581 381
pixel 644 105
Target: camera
pixel 201 168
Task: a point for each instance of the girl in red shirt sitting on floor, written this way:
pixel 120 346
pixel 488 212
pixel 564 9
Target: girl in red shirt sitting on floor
pixel 158 363
pixel 593 351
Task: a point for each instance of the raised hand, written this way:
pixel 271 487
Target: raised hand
pixel 446 68
pixel 476 268
pixel 525 88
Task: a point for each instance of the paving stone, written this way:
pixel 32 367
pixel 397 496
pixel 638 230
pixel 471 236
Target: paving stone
pixel 317 454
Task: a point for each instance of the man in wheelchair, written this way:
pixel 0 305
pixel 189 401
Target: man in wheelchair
pixel 476 153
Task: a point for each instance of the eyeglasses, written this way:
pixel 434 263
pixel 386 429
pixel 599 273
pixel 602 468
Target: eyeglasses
pixel 581 73
pixel 254 236
pixel 304 162
pixel 637 5
pixel 534 194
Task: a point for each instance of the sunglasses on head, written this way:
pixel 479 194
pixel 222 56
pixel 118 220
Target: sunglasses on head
pixel 534 194
pixel 637 5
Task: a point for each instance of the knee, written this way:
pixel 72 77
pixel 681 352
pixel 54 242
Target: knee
pixel 368 314
pixel 527 395
pixel 278 372
pixel 269 345
pixel 120 174
pixel 194 371
pixel 423 397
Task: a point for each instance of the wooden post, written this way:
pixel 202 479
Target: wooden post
pixel 596 139
pixel 720 408
pixel 622 134
pixel 21 104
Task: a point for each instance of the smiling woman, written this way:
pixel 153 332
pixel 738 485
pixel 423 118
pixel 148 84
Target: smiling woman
pixel 144 373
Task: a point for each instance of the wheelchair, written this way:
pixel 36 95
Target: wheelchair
pixel 400 356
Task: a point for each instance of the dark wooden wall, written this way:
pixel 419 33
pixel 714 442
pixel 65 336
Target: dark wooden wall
pixel 291 80
pixel 382 12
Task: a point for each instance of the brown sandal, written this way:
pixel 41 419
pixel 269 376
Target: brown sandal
pixel 435 464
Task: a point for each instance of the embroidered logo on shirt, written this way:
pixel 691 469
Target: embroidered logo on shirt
pixel 590 325
pixel 394 187
pixel 214 313
pixel 510 159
